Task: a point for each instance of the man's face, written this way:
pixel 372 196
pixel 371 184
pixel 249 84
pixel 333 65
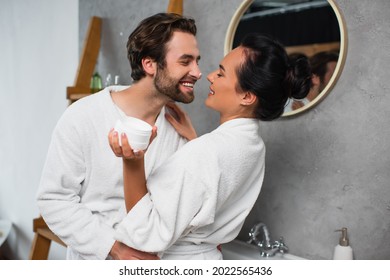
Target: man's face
pixel 181 72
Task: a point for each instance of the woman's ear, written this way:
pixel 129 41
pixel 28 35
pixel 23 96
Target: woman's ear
pixel 149 65
pixel 248 98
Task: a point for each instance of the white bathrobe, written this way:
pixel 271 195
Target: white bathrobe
pixel 81 188
pixel 200 196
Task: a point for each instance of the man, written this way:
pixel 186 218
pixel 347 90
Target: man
pixel 81 189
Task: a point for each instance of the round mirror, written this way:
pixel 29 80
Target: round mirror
pixel 311 28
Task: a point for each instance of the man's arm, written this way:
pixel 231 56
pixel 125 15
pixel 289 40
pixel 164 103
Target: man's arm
pixel 122 252
pixel 59 196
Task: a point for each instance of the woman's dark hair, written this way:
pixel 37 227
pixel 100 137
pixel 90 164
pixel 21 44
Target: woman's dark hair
pixel 268 74
pixel 319 62
pixel 150 37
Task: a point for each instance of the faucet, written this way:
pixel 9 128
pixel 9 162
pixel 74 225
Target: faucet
pixel 267 247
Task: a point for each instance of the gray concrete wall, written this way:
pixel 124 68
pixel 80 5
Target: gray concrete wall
pixel 325 169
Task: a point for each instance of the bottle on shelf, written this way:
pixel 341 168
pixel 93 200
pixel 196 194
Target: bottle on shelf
pixel 108 80
pixel 96 83
pixel 116 81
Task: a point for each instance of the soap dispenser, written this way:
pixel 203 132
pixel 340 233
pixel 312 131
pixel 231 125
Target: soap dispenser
pixel 343 251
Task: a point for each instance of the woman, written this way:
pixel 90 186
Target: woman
pixel 200 196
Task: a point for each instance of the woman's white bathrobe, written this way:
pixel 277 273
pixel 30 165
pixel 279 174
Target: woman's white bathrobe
pixel 81 188
pixel 200 196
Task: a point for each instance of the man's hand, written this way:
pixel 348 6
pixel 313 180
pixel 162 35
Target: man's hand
pixel 122 252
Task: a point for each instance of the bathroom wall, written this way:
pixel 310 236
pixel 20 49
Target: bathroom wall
pixel 325 169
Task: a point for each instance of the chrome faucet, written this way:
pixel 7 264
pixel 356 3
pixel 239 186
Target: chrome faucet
pixel 267 247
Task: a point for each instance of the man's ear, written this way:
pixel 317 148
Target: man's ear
pixel 248 98
pixel 149 66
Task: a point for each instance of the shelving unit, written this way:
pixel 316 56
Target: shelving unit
pixel 175 6
pixel 87 63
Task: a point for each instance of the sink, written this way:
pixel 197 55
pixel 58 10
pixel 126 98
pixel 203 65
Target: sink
pixel 240 250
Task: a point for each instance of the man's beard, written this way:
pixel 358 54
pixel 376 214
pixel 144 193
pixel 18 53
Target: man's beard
pixel 169 87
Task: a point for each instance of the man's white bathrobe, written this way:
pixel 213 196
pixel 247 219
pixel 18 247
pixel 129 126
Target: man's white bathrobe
pixel 200 196
pixel 81 188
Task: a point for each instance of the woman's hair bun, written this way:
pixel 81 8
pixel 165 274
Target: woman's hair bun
pixel 298 78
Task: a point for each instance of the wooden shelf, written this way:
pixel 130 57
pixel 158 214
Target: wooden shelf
pixel 175 6
pixel 87 62
pixel 75 93
pixel 76 96
pixel 42 240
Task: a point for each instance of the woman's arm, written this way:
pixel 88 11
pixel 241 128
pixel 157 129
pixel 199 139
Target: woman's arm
pixel 134 180
pixel 180 120
pixel 176 200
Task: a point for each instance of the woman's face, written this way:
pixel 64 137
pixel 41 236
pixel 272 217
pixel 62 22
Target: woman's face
pixel 223 95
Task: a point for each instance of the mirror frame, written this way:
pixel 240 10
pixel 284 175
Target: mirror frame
pixel 232 28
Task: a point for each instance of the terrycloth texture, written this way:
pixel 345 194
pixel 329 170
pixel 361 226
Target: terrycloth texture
pixel 200 196
pixel 81 189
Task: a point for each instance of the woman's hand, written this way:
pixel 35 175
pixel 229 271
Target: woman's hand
pixel 134 181
pixel 125 151
pixel 181 122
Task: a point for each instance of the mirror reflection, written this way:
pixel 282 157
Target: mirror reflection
pixel 307 28
pixel 323 65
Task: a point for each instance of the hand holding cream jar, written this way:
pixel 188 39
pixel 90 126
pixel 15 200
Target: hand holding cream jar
pixel 138 132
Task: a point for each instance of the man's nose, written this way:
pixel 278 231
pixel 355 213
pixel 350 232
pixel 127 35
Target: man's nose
pixel 195 72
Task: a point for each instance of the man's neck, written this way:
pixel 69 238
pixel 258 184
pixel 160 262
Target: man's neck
pixel 141 101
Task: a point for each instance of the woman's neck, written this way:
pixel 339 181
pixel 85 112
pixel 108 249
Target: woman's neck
pixel 242 115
